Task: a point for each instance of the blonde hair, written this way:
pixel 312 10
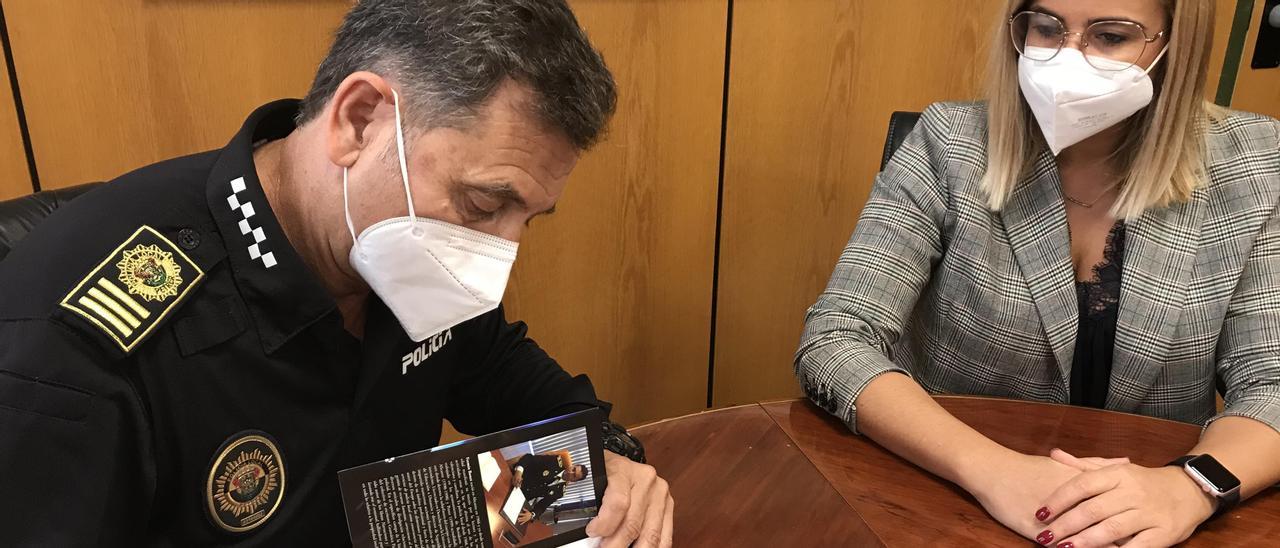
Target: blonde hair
pixel 1162 151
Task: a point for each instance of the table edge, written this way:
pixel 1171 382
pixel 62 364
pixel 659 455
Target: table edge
pixel 694 414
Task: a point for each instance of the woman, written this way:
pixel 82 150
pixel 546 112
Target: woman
pixel 1096 234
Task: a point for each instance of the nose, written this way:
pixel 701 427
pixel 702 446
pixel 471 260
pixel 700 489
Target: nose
pixel 510 228
pixel 1073 40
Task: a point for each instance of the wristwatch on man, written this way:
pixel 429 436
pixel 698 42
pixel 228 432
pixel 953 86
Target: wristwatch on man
pixel 1213 478
pixel 617 440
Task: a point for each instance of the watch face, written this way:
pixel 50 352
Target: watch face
pixel 1214 473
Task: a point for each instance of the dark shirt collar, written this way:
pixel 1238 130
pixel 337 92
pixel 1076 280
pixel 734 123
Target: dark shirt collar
pixel 280 291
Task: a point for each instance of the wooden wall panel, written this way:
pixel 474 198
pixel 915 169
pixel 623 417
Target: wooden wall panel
pixel 1257 90
pixel 811 87
pixel 111 86
pixel 618 282
pixel 15 179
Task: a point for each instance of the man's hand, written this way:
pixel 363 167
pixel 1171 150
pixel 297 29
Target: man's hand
pixel 1155 506
pixel 637 507
pixel 525 517
pixel 1025 481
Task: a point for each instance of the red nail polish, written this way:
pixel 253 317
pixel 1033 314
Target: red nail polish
pixel 1045 537
pixel 1066 545
pixel 1042 514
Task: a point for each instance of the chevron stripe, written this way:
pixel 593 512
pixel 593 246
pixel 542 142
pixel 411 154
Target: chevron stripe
pixel 115 307
pixel 102 314
pixel 123 297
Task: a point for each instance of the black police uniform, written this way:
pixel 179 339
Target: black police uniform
pixel 542 480
pixel 171 373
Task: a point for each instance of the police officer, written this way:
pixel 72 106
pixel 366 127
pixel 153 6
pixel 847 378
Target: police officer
pixel 542 479
pixel 190 353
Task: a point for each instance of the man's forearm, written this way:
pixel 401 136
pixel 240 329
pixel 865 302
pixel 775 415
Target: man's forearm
pixel 1248 448
pixel 899 415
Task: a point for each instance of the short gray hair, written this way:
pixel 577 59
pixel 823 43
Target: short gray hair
pixel 451 55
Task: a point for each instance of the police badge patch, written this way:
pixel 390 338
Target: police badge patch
pixel 150 273
pixel 246 482
pixel 134 288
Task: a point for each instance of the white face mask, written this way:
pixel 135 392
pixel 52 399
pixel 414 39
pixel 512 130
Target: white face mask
pixel 1072 100
pixel 431 274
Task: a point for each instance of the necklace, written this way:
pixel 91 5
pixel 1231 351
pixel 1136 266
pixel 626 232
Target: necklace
pixel 1089 205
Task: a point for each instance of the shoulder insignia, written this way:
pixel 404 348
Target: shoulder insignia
pixel 134 288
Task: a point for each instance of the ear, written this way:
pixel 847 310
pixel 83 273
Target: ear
pixel 350 112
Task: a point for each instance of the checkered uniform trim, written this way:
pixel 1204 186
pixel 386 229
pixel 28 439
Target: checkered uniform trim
pixel 244 206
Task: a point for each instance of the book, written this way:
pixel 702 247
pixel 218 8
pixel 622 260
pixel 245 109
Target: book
pixel 536 485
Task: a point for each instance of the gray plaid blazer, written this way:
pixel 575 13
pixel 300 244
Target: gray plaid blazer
pixel 969 301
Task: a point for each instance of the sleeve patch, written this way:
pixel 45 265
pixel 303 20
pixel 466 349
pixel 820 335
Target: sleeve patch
pixel 128 294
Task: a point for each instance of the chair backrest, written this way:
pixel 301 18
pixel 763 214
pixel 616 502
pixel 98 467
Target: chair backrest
pixel 900 125
pixel 19 215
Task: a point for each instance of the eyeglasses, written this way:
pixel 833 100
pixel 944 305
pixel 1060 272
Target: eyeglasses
pixel 1107 45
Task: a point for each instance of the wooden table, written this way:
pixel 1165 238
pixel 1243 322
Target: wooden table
pixel 788 474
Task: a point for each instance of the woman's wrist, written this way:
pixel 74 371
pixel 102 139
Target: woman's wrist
pixel 980 469
pixel 1198 504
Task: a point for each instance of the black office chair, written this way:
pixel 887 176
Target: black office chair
pixel 900 125
pixel 20 215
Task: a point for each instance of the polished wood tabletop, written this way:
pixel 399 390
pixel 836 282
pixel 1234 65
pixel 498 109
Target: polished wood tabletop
pixel 789 474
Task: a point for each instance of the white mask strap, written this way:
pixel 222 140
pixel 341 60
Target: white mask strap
pixel 346 208
pixel 404 176
pixel 404 165
pixel 1156 61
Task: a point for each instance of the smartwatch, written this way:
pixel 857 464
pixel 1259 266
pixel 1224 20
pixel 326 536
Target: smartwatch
pixel 1213 478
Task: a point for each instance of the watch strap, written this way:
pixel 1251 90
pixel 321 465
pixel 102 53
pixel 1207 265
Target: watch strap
pixel 1227 502
pixel 617 440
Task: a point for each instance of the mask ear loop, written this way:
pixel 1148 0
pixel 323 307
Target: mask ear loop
pixel 346 208
pixel 1154 63
pixel 404 175
pixel 404 166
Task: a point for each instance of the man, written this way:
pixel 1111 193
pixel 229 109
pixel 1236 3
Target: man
pixel 190 353
pixel 542 479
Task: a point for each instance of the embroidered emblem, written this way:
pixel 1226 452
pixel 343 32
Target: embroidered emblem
pixel 246 482
pixel 150 273
pixel 134 287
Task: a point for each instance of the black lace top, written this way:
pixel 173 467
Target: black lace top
pixel 1099 300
